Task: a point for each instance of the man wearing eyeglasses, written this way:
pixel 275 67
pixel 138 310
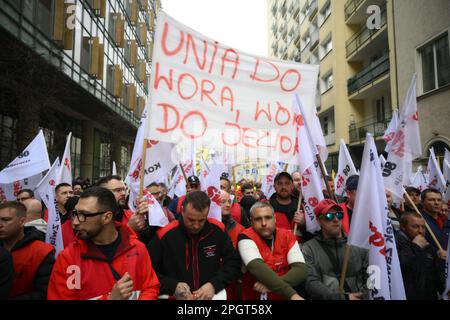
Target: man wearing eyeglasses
pixel 25 194
pixel 106 261
pixel 324 256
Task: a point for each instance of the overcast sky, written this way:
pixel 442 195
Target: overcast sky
pixel 241 24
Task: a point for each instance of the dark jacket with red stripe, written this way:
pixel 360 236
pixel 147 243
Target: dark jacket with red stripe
pixel 98 275
pixel 195 260
pixel 33 261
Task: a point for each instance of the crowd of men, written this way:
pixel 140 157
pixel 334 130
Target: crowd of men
pixel 113 253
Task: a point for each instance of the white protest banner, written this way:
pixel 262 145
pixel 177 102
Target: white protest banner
pixel 8 192
pixel 406 146
pixel 33 160
pixel 372 229
pixel 267 185
pixel 419 180
pixel 390 131
pixel 65 169
pixel 311 184
pixel 436 179
pixel 346 168
pixel 202 90
pixel 46 190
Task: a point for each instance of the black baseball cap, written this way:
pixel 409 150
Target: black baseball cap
pixel 193 180
pixel 283 174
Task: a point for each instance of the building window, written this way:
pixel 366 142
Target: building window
pixel 435 59
pixel 125 158
pixel 326 46
pixel 327 82
pixel 75 150
pixel 8 150
pixel 325 13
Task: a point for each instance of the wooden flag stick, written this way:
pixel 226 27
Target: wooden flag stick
pixel 142 172
pixel 184 175
pixel 322 170
pixel 344 267
pixel 426 224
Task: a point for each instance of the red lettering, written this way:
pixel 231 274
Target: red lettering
pixel 227 95
pixel 158 78
pixel 202 118
pixel 213 57
pixel 206 92
pixel 234 61
pixel 190 41
pixel 166 51
pixel 180 82
pixel 254 77
pixel 266 136
pixel 235 125
pixel 166 108
pixel 266 112
pixel 246 139
pixel 297 83
pixel 285 139
pixel 297 120
pixel 281 110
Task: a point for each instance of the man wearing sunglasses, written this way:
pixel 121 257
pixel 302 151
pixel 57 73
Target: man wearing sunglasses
pixel 105 261
pixel 324 256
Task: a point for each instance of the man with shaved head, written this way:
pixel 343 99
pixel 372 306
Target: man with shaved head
pixel 34 215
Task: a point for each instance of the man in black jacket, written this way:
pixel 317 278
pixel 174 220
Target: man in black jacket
pixel 6 273
pixel 193 256
pixel 422 268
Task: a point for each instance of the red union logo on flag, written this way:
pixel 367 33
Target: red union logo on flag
pixel 398 144
pixel 415 116
pixel 340 181
pixel 66 163
pixel 313 201
pixel 213 194
pixel 305 181
pixel 377 238
pixel 16 187
pixel 150 199
pixel 52 182
pixel 135 173
pixel 151 143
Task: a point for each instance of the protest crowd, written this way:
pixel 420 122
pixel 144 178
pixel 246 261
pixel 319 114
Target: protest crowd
pixel 194 228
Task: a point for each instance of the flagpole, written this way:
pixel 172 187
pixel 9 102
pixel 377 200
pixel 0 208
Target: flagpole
pixel 344 267
pixel 300 200
pixel 426 224
pixel 142 173
pixel 184 175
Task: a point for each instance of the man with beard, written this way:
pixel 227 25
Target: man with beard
pixel 124 215
pixel 285 205
pixel 111 262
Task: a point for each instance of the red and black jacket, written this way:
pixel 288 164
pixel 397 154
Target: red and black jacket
pixel 195 260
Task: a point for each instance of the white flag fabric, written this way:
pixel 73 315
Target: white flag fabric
pixel 447 155
pixel 311 184
pixel 204 91
pixel 213 191
pixel 158 162
pixel 114 169
pixel 447 274
pixel 319 139
pixel 390 131
pixel 371 228
pixel 435 176
pixel 382 161
pixel 65 169
pixel 346 168
pixel 8 192
pixel 419 180
pixel 267 184
pixel 204 173
pixel 405 147
pixel 446 198
pixel 46 190
pixel 31 161
pixel 156 216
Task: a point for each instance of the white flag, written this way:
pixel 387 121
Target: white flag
pixel 8 192
pixel 156 216
pixel 33 160
pixel 114 169
pixel 447 155
pixel 382 161
pixel 204 173
pixel 405 147
pixel 318 138
pixel 446 198
pixel 158 162
pixel 390 131
pixel 372 229
pixel 346 168
pixel 213 191
pixel 65 169
pixel 419 180
pixel 46 190
pixel 267 186
pixel 435 176
pixel 311 185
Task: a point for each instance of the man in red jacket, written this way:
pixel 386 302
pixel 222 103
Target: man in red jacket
pixel 106 261
pixel 32 258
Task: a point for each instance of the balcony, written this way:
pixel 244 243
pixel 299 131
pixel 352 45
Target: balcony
pixel 364 36
pixel 283 8
pixel 313 8
pixel 274 8
pixel 314 39
pixel 369 75
pixel 358 132
pixel 356 10
pixel 274 27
